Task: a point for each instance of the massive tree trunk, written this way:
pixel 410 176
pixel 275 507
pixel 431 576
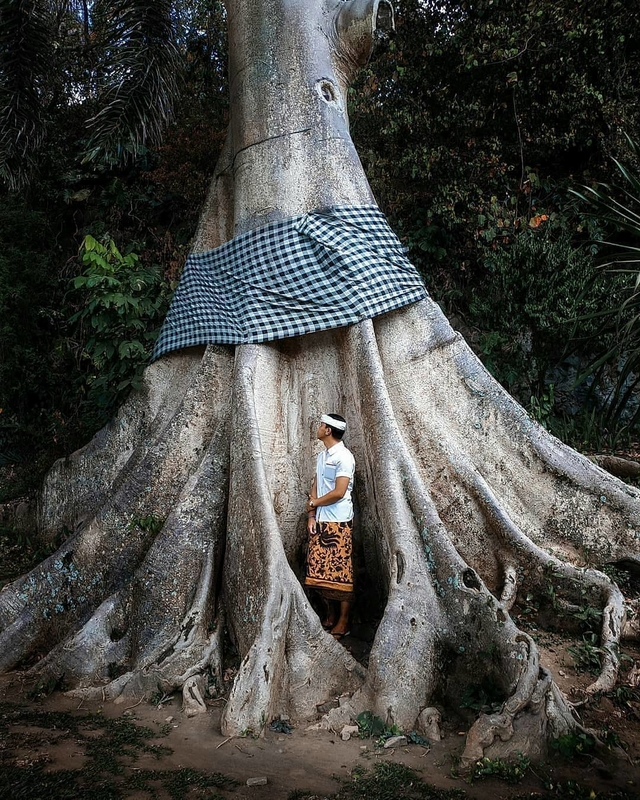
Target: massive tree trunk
pixel 187 510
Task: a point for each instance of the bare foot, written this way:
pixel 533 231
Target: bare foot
pixel 340 630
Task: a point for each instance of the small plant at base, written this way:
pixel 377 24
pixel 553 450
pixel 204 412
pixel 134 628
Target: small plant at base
pixel 280 726
pixel 624 695
pixel 573 744
pixel 45 687
pixel 589 616
pixel 369 725
pixel 551 596
pixel 150 524
pixel 611 740
pixel 618 575
pixel 160 699
pixel 485 698
pixel 587 656
pixel 509 771
pixel 532 605
pixel 394 730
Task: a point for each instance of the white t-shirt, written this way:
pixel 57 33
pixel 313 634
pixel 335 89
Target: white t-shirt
pixel 334 463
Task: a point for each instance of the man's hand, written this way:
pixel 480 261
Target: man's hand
pixel 311 525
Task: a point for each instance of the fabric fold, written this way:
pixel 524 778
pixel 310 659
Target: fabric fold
pixel 326 269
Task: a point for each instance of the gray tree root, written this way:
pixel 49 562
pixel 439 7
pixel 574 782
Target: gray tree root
pixel 291 663
pixel 94 568
pixel 91 473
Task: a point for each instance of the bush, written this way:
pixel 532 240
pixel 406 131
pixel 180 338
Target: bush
pixel 31 360
pixel 124 305
pixel 533 291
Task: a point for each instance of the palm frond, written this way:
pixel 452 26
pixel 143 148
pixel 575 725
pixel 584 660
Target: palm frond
pixel 25 62
pixel 139 77
pixel 617 338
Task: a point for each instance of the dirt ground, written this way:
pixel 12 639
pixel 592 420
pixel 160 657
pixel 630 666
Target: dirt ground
pixel 38 740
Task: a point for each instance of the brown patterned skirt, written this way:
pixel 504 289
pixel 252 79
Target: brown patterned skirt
pixel 329 561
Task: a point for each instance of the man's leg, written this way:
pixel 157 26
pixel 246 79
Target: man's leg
pixel 342 625
pixel 330 615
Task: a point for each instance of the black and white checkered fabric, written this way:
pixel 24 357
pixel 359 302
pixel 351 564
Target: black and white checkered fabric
pixel 322 270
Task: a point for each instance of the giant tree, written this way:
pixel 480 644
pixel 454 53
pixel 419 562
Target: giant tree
pixel 186 510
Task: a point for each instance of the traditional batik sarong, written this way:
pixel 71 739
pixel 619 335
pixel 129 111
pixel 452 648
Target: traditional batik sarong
pixel 329 560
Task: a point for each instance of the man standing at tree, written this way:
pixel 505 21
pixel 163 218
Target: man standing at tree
pixel 330 525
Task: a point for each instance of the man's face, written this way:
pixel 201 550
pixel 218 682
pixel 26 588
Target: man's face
pixel 323 431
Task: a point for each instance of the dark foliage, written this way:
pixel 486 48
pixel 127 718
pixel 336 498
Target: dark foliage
pixel 473 126
pixel 25 61
pixel 109 747
pixel 137 76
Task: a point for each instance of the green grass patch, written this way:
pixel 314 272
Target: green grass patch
pixel 110 747
pixel 387 781
pixel 391 781
pixel 507 770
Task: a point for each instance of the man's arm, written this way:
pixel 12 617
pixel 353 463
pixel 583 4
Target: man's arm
pixel 328 499
pixel 311 514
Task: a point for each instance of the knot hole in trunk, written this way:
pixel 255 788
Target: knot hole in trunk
pixel 330 93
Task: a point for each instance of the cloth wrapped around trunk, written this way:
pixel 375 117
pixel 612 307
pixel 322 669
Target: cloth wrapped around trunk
pixel 322 270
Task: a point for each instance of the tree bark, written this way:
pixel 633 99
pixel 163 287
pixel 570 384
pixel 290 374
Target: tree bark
pixel 187 510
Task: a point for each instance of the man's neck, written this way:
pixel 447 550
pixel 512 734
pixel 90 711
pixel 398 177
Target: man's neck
pixel 329 442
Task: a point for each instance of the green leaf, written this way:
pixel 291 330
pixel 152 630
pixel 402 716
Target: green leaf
pixel 89 243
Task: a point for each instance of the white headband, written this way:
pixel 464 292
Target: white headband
pixel 335 423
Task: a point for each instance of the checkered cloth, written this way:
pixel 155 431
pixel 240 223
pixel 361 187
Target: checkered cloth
pixel 321 270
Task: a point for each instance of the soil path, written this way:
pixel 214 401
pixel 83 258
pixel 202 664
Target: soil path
pixel 312 760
